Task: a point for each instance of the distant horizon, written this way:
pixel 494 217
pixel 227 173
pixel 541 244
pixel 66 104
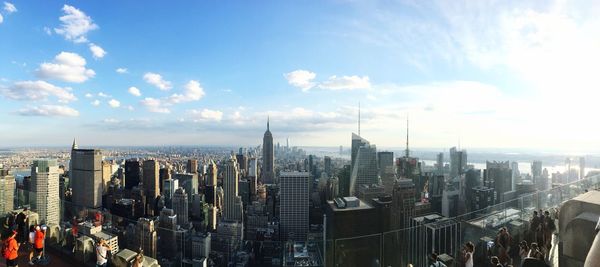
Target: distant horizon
pixel 476 150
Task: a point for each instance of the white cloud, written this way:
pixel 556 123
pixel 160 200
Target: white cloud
pixel 68 67
pixel 97 51
pixel 130 108
pixel 207 115
pixel 302 79
pixel 121 70
pixel 154 105
pixel 75 25
pixel 113 103
pixel 37 90
pixel 1 19
pixel 88 95
pixel 96 103
pixel 9 7
pixel 110 120
pixel 134 91
pixel 49 110
pixel 101 94
pixel 192 92
pixel 346 83
pixel 157 80
pixel 47 31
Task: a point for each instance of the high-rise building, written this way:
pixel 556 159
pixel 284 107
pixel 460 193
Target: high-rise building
pixel 133 173
pixel 499 177
pixel 364 169
pixel 106 175
pixel 169 187
pixel 242 160
pixel 349 217
pixel 151 179
pixel 357 142
pixel 180 206
pixel 44 187
pixel 86 177
pixel 581 167
pixel 163 174
pixel 232 210
pixel 210 191
pixel 344 181
pixel 439 165
pixel 327 165
pixel 458 162
pixel 432 233
pixel 403 203
pixel 387 170
pixel 7 191
pixel 145 237
pixel 268 157
pixel 167 222
pixel 536 171
pixel 191 166
pixel 294 205
pixel 189 181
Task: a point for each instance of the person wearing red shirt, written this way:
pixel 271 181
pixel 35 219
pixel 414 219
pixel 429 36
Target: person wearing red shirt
pixel 38 243
pixel 11 250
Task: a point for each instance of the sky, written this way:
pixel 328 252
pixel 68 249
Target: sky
pixel 485 74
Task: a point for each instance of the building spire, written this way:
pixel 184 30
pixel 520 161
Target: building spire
pixel 407 151
pixel 267 122
pixel 74 146
pixel 359 118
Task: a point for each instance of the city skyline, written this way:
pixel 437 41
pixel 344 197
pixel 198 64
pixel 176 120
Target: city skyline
pixel 515 75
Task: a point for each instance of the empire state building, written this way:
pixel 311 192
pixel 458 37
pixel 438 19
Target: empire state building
pixel 268 173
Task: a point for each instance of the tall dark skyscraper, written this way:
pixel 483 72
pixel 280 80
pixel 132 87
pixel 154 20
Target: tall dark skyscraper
pixel 133 173
pixel 86 177
pixel 268 167
pixel 150 174
pixel 294 205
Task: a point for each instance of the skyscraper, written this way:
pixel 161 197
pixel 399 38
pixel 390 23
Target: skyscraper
pixel 364 168
pixel 536 171
pixel 327 165
pixel 145 237
pixel 180 206
pixel 268 157
pixel 210 191
pixel 499 177
pixel 106 175
pixel 7 191
pixel 133 173
pixel 294 205
pixel 44 186
pixel 387 170
pixel 581 167
pixel 86 177
pixel 403 203
pixel 150 181
pixel 439 165
pixel 192 166
pixel 458 162
pixel 232 202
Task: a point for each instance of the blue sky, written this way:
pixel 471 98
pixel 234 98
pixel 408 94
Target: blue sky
pixel 490 73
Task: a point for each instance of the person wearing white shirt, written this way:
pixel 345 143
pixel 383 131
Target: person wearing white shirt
pixel 102 253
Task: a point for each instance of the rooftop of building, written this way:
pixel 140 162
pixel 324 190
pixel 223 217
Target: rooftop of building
pixel 361 205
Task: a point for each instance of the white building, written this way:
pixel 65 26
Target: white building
pixel 44 186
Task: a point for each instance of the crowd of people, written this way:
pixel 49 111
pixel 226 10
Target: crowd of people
pixel 532 251
pixel 15 234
